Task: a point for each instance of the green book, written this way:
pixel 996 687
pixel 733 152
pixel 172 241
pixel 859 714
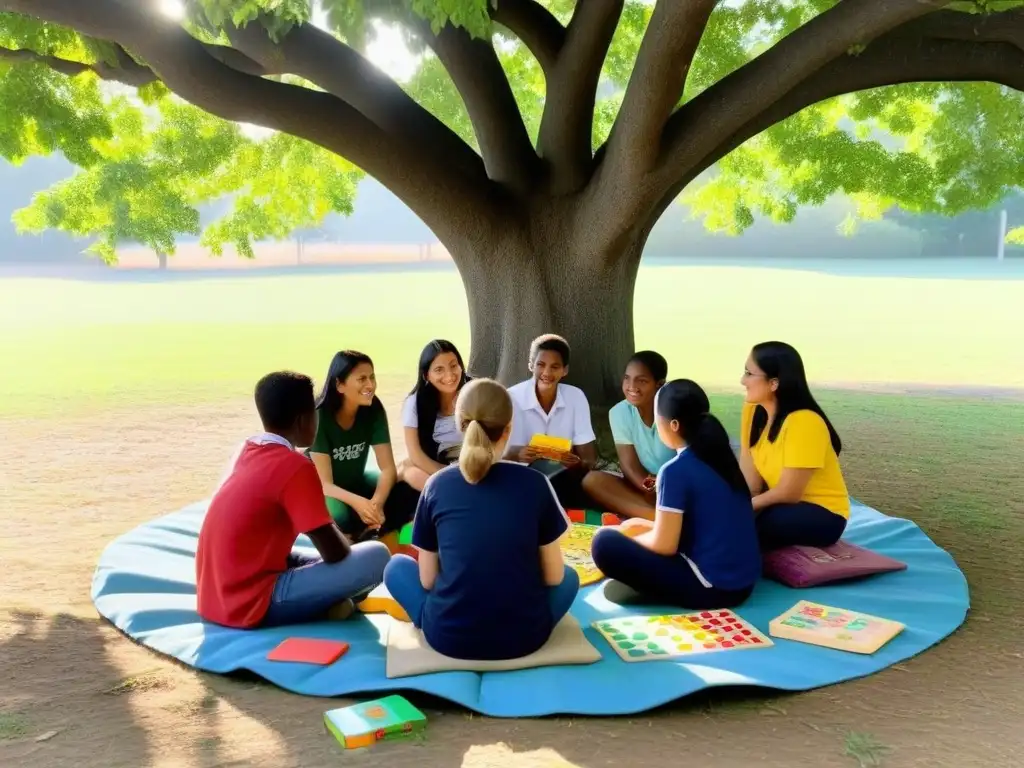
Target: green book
pixel 363 725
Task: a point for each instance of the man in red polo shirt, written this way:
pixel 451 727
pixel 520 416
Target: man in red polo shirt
pixel 246 573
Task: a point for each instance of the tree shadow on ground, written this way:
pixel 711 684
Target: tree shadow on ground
pixel 60 686
pixel 458 737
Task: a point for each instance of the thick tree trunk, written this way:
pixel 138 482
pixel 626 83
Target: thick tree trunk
pixel 521 286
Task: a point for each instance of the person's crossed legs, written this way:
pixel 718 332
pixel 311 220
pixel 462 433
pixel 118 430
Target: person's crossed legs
pixel 803 523
pixel 310 587
pixel 402 579
pixel 661 578
pixel 615 494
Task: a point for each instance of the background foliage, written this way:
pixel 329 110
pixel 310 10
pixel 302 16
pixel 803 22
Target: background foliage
pixel 148 160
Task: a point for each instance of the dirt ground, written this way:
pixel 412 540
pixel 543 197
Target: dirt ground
pixel 73 691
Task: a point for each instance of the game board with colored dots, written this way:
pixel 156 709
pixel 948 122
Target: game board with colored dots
pixel 648 638
pixel 837 628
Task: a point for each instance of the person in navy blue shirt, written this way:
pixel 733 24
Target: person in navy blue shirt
pixel 491 582
pixel 701 551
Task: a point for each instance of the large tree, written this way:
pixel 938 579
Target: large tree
pixel 540 141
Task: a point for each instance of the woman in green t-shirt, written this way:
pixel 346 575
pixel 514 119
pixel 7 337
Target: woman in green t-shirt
pixel 360 493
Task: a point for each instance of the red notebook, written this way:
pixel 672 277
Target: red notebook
pixel 307 650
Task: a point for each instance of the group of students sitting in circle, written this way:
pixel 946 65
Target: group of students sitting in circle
pixel 489 580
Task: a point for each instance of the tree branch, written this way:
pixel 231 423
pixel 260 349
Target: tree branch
pixel 135 75
pixel 532 23
pixel 891 60
pixel 566 129
pixel 697 126
pixel 187 68
pixel 1005 27
pixel 473 64
pixel 655 85
pixel 324 60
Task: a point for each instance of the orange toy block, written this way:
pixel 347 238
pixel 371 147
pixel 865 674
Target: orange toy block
pixel 381 601
pixel 554 448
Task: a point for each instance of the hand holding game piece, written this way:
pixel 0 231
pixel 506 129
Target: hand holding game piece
pixel 528 454
pixel 570 460
pixel 650 484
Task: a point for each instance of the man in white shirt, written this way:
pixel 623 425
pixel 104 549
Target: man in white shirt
pixel 545 406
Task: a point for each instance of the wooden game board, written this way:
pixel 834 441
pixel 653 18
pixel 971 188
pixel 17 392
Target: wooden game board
pixel 650 638
pixel 837 628
pixel 576 551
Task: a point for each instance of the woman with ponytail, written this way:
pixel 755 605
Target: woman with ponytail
pixel 701 550
pixel 490 582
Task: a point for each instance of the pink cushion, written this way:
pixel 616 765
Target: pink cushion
pixel 810 566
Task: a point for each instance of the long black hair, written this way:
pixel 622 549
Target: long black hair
pixel 428 399
pixel 783 363
pixel 684 401
pixel 342 364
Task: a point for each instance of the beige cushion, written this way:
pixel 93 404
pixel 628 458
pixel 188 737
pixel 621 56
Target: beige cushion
pixel 409 654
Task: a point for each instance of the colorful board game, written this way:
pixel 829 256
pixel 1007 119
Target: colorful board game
pixel 592 517
pixel 838 628
pixel 652 638
pixel 362 725
pixel 576 551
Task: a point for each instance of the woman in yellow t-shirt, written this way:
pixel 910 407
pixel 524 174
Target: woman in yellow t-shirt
pixel 789 453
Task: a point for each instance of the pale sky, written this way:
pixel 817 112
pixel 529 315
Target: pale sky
pixel 387 51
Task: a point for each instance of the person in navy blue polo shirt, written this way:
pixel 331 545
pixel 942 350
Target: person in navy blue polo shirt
pixel 701 550
pixel 491 582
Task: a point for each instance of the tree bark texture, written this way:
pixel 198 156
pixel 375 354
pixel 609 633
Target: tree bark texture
pixel 547 239
pixel 550 277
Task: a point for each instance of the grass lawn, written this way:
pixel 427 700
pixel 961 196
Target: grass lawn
pixel 79 342
pixel 120 400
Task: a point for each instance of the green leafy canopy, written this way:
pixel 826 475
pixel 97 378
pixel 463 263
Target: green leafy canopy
pixel 148 161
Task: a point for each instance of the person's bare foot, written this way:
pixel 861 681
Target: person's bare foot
pixel 341 611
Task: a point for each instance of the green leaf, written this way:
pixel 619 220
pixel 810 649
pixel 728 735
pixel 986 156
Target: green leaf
pixel 149 163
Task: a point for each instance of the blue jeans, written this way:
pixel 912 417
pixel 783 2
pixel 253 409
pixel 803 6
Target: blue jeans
pixel 803 523
pixel 402 578
pixel 310 587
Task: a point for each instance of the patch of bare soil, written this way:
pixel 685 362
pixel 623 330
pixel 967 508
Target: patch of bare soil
pixel 76 692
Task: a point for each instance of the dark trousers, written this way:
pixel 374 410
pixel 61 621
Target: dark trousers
pixel 568 484
pixel 803 523
pixel 399 508
pixel 662 578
